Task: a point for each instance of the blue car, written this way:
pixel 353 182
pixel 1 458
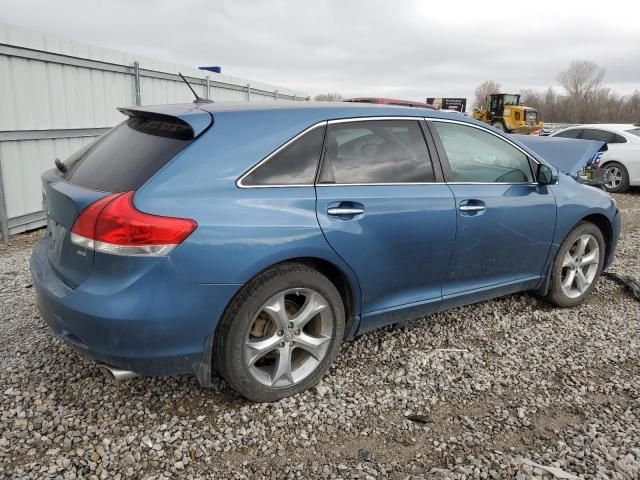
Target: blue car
pixel 252 239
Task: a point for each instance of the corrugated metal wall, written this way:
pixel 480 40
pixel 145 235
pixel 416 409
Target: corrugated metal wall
pixel 57 94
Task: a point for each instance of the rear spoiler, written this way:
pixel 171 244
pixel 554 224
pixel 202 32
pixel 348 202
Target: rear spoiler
pixel 190 118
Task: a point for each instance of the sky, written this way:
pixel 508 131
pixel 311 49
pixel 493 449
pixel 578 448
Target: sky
pixel 400 49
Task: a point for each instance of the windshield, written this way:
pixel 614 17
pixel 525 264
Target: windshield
pixel 634 131
pixel 511 99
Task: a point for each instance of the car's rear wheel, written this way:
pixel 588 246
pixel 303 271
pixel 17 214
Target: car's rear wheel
pixel 617 178
pixel 281 333
pixel 577 266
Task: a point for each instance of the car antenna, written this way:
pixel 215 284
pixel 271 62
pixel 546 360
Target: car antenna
pixel 198 98
pixel 60 166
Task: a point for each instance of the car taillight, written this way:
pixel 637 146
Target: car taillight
pixel 113 225
pixel 594 161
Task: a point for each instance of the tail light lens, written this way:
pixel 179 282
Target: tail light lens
pixel 594 161
pixel 113 225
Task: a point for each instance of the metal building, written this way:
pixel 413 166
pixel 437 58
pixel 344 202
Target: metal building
pixel 58 94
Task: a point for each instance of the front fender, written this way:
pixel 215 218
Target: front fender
pixel 575 202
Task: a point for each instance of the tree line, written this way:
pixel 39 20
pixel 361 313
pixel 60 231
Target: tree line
pixel 583 99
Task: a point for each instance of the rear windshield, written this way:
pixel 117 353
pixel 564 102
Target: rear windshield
pixel 126 157
pixel 635 131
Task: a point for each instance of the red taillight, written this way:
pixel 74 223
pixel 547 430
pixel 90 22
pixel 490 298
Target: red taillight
pixel 85 224
pixel 113 225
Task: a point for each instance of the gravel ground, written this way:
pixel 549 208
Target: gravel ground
pixel 503 389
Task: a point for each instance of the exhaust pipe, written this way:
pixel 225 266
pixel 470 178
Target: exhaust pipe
pixel 115 374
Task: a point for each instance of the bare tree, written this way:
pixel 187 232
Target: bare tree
pixel 586 100
pixel 547 102
pixel 328 97
pixel 483 90
pixel 552 103
pixel 531 98
pixel 633 107
pixel 582 81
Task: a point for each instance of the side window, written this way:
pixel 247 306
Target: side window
pixel 596 134
pixel 479 156
pixel 618 139
pixel 572 133
pixel 377 151
pixel 296 164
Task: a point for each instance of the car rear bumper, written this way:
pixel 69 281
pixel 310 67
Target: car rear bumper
pixel 145 318
pixel 594 177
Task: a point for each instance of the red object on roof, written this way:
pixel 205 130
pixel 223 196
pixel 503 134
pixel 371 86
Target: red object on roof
pixel 389 101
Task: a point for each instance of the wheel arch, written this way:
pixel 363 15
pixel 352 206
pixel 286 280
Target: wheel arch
pixel 339 279
pixel 604 224
pixel 615 160
pixel 346 285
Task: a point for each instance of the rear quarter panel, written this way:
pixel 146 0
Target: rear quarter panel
pixel 241 231
pixel 629 155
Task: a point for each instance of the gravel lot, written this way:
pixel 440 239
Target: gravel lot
pixel 521 386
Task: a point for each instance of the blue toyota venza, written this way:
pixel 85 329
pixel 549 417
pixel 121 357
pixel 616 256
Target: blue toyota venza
pixel 252 239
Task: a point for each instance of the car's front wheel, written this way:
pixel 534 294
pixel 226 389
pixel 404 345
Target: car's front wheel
pixel 617 178
pixel 499 125
pixel 577 266
pixel 280 334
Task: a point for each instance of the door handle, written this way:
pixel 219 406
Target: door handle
pixel 345 211
pixel 471 208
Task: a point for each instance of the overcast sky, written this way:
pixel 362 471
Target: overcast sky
pixel 401 49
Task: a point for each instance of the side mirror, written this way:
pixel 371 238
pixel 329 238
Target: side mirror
pixel 545 175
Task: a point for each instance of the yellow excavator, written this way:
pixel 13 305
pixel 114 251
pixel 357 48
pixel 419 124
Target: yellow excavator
pixel 507 114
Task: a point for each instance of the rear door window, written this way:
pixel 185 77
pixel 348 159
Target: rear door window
pixel 126 157
pixel 573 133
pixel 381 151
pixel 597 134
pixel 295 164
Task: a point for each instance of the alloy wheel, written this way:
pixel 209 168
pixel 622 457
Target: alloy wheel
pixel 614 177
pixel 580 266
pixel 289 337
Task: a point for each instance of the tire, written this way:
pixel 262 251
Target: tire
pixel 254 339
pixel 617 177
pixel 568 289
pixel 500 126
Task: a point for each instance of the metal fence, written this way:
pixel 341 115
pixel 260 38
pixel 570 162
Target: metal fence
pixel 56 95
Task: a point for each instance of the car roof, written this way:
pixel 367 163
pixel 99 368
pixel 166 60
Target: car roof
pixel 304 111
pixel 618 127
pixel 338 109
